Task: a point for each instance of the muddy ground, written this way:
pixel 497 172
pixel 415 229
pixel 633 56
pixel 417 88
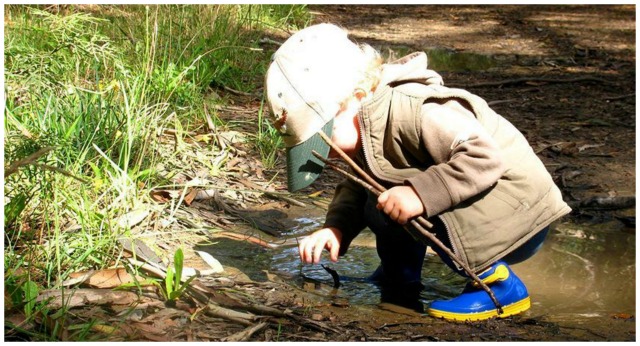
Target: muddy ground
pixel 586 126
pixel 564 75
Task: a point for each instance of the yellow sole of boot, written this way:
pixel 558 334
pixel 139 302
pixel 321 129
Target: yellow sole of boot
pixel 509 310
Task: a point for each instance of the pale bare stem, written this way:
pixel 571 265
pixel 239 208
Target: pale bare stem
pixel 14 166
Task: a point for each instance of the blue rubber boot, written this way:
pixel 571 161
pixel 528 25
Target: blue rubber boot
pixel 475 304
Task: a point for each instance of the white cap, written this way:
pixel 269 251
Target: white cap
pixel 312 73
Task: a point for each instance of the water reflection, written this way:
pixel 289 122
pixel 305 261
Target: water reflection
pixel 450 61
pixel 581 270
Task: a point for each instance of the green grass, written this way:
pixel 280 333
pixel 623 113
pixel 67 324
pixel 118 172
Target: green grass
pixel 95 85
pixel 267 140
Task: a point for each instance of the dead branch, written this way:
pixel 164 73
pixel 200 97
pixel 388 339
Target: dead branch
pixel 258 219
pixel 272 194
pixel 245 334
pixel 533 80
pixel 14 166
pixel 247 238
pixel 174 132
pixel 243 318
pixel 620 97
pixel 497 102
pixel 270 41
pixel 236 92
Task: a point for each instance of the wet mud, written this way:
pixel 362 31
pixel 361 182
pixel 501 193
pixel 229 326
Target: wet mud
pixel 579 291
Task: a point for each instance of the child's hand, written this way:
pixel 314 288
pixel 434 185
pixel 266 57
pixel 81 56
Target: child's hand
pixel 401 203
pixel 311 247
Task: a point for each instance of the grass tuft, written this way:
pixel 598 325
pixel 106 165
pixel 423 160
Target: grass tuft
pixel 89 90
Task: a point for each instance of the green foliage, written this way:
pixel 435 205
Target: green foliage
pixel 30 291
pixel 98 84
pixel 267 141
pixel 54 51
pixel 173 286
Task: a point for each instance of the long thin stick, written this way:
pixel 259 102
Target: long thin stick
pixel 417 222
pixel 360 171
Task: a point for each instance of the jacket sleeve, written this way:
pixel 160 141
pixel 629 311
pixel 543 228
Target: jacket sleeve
pixel 467 159
pixel 346 212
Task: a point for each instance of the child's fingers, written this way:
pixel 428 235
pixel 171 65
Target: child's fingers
pixel 382 200
pixel 394 213
pixel 317 251
pixel 306 249
pixel 334 249
pixel 403 218
pixel 303 248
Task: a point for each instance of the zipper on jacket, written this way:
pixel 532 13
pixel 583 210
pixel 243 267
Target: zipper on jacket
pixel 378 175
pixel 453 245
pixel 362 142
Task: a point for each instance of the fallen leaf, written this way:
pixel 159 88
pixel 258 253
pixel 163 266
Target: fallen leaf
pixel 272 277
pixel 141 250
pixel 17 319
pixel 101 328
pixel 190 196
pixel 622 316
pixel 150 332
pixel 589 146
pixel 316 194
pixel 211 261
pixel 133 218
pixel 106 278
pixel 166 323
pixel 57 299
pixel 160 196
pixel 564 148
pixel 203 138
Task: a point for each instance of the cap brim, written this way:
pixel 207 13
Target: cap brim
pixel 303 168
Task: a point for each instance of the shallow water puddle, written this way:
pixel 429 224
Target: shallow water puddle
pixel 582 274
pixel 583 271
pixel 450 61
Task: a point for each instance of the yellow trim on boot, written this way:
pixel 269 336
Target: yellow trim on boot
pixel 509 310
pixel 500 274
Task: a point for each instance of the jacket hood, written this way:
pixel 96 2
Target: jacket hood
pixel 410 68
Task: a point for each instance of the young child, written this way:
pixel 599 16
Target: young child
pixel 441 153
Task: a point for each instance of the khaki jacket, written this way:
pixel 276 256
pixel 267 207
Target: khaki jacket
pixel 470 167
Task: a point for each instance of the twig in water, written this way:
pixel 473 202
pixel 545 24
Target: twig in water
pixel 276 195
pixel 334 275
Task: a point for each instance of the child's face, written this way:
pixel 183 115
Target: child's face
pixel 346 130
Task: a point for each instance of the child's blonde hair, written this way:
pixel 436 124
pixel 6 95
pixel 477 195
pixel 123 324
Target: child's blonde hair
pixel 349 65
